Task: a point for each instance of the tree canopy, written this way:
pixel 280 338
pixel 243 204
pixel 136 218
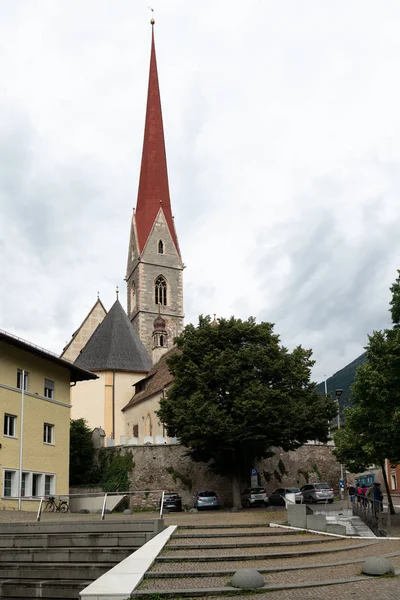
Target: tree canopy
pixel 81 452
pixel 395 301
pixel 372 432
pixel 238 393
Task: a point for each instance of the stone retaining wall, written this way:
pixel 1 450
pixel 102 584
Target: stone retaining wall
pixel 167 467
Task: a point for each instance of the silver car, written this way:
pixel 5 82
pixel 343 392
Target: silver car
pixel 254 496
pixel 206 499
pixel 318 492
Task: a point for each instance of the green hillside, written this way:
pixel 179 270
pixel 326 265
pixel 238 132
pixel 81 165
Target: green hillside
pixel 342 380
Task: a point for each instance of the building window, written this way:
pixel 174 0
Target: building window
pixel 160 247
pixel 10 425
pixel 48 485
pixel 162 340
pixel 19 379
pixel 36 481
pixel 24 480
pixel 9 483
pixel 160 291
pixel 48 388
pixel 48 434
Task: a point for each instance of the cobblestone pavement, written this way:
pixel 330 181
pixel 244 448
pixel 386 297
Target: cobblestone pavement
pixel 376 589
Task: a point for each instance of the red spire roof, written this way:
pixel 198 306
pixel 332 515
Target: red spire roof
pixel 153 192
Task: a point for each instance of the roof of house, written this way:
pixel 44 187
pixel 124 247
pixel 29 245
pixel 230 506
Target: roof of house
pixel 77 373
pixel 158 378
pixel 115 346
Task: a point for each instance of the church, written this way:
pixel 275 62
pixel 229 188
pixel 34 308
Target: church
pixel 128 350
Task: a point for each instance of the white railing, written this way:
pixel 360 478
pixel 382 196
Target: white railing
pixel 56 501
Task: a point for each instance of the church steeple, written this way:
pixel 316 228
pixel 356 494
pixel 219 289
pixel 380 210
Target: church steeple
pixel 153 192
pixel 154 269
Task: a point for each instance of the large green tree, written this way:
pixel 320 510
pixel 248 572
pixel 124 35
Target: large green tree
pixel 372 432
pixel 238 394
pixel 81 452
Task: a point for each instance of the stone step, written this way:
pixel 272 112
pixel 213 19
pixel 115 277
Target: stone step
pixel 304 575
pixel 74 540
pixel 225 526
pixel 250 543
pixel 111 526
pixel 170 557
pixel 191 536
pixel 217 572
pixel 70 571
pixel 84 555
pixel 63 590
pixel 266 562
pixel 224 591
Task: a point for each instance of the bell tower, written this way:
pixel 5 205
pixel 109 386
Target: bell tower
pixel 154 269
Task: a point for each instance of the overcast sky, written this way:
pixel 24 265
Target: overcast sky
pixel 282 126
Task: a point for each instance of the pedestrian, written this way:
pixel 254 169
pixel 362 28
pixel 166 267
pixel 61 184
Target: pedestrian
pixel 359 493
pixel 364 493
pixel 352 492
pixel 369 497
pixel 378 498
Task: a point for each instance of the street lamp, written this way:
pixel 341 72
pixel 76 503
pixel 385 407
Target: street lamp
pixel 338 394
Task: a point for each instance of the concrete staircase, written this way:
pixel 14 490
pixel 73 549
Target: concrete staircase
pixel 199 561
pixel 57 560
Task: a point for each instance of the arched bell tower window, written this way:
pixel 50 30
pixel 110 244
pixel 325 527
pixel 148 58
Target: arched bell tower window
pixel 160 247
pixel 162 341
pixel 160 291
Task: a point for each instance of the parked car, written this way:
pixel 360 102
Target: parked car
pixel 278 497
pixel 254 496
pixel 206 499
pixel 317 492
pixel 172 501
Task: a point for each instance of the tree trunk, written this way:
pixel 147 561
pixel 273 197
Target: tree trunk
pixel 389 495
pixel 236 496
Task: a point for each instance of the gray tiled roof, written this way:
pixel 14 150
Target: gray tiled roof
pixel 115 346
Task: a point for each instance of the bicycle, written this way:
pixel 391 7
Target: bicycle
pixel 54 506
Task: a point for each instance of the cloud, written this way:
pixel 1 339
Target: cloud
pixel 282 131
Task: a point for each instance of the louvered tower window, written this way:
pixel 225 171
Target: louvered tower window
pixel 160 291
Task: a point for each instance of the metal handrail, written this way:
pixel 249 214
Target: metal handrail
pixel 371 512
pixel 162 504
pixel 42 499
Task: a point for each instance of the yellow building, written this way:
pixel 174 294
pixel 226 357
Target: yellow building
pixel 35 414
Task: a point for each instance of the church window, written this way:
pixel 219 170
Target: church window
pixel 148 429
pixel 133 296
pixel 160 291
pixel 162 341
pixel 160 247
